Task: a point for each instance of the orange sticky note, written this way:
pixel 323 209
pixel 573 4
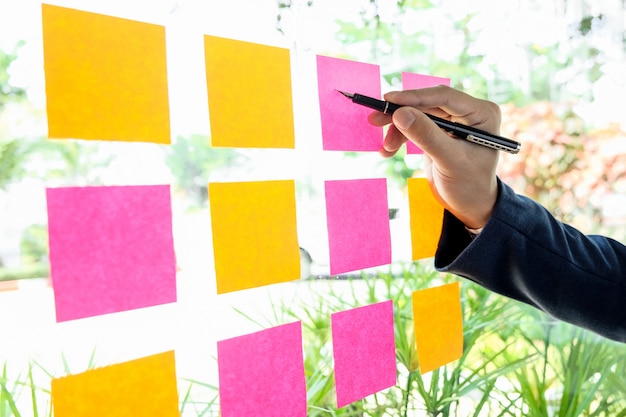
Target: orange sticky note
pixel 106 77
pixel 249 90
pixel 255 240
pixel 142 387
pixel 438 326
pixel 426 219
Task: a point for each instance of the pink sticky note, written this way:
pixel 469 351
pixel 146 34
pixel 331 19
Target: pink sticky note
pixel 364 351
pixel 358 224
pixel 412 81
pixel 111 249
pixel 344 124
pixel 262 374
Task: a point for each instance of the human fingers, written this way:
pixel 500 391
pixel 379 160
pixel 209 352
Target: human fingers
pixel 411 124
pixel 392 143
pixel 393 138
pixel 443 101
pixel 462 174
pixel 440 96
pixel 379 119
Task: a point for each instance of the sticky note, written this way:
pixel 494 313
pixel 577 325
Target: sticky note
pixel 106 77
pixel 262 374
pixel 143 387
pixel 413 81
pixel 364 351
pixel 344 123
pixel 425 219
pixel 357 215
pixel 438 326
pixel 249 91
pixel 255 239
pixel 111 249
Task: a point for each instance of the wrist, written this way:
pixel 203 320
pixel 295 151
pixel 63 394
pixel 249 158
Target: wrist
pixel 480 208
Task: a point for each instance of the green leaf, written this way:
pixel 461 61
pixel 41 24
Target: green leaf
pixel 6 396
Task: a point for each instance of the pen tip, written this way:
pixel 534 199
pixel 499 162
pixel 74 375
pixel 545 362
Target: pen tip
pixel 346 94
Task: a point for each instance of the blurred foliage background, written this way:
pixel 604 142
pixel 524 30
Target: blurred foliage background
pixel 556 68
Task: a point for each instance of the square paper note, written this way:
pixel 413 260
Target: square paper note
pixel 364 351
pixel 438 326
pixel 358 224
pixel 249 89
pixel 255 240
pixel 106 77
pixel 426 219
pixel 111 249
pixel 140 388
pixel 344 123
pixel 262 374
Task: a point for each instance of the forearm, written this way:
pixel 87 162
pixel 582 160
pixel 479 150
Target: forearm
pixel 526 254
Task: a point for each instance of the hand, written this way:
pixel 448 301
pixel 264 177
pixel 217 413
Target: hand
pixel 461 174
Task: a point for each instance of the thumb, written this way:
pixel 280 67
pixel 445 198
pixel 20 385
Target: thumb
pixel 420 130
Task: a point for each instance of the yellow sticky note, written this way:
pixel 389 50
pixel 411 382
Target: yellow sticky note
pixel 255 239
pixel 426 218
pixel 249 91
pixel 142 387
pixel 106 77
pixel 438 326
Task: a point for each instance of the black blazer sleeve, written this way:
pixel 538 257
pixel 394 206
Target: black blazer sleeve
pixel 526 254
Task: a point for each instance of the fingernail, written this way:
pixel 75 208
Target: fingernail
pixel 403 118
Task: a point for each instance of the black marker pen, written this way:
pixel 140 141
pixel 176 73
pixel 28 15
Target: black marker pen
pixel 459 130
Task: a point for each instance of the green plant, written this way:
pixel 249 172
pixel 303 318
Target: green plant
pixel 12 156
pixel 574 375
pixel 193 162
pixel 469 382
pixel 516 360
pixel 438 393
pixel 200 404
pixel 12 390
pixel 7 396
pixel 39 270
pixel 567 166
pixel 9 92
pixel 69 162
pixel 34 244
